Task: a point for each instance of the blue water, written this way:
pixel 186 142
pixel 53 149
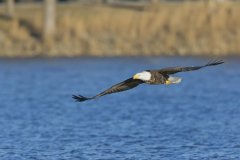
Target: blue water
pixel 197 119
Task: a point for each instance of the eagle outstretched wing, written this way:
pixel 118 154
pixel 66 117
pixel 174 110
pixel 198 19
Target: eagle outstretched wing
pixel 133 82
pixel 122 86
pixel 173 70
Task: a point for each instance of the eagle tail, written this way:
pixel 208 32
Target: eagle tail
pixel 80 98
pixel 174 80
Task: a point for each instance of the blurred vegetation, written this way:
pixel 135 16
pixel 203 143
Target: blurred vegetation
pixel 189 28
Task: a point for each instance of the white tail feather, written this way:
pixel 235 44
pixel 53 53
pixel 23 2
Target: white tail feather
pixel 174 80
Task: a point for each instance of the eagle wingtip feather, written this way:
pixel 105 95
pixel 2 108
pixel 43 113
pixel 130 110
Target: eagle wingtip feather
pixel 79 98
pixel 215 62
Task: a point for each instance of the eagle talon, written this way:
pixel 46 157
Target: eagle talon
pixel 167 82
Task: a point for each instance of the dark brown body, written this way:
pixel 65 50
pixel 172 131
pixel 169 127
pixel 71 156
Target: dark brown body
pixel 157 78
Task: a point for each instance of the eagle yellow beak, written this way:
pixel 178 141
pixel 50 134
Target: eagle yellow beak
pixel 136 76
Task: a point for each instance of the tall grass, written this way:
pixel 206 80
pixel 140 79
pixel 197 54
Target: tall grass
pixel 165 29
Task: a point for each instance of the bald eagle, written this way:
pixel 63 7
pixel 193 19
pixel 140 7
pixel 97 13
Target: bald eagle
pixel 152 77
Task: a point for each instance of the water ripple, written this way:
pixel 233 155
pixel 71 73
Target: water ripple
pixel 198 119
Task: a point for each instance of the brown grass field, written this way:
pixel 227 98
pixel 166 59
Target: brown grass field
pixel 191 28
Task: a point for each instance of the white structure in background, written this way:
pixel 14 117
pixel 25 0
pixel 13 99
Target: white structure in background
pixel 49 10
pixel 10 5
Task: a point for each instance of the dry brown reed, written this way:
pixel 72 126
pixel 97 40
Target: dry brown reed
pixel 191 28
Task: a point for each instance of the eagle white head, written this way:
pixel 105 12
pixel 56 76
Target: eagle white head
pixel 145 76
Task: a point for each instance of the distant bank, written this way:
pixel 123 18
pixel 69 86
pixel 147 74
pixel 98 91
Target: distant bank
pixel 190 28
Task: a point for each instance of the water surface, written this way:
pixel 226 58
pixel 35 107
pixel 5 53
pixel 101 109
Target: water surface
pixel 197 119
